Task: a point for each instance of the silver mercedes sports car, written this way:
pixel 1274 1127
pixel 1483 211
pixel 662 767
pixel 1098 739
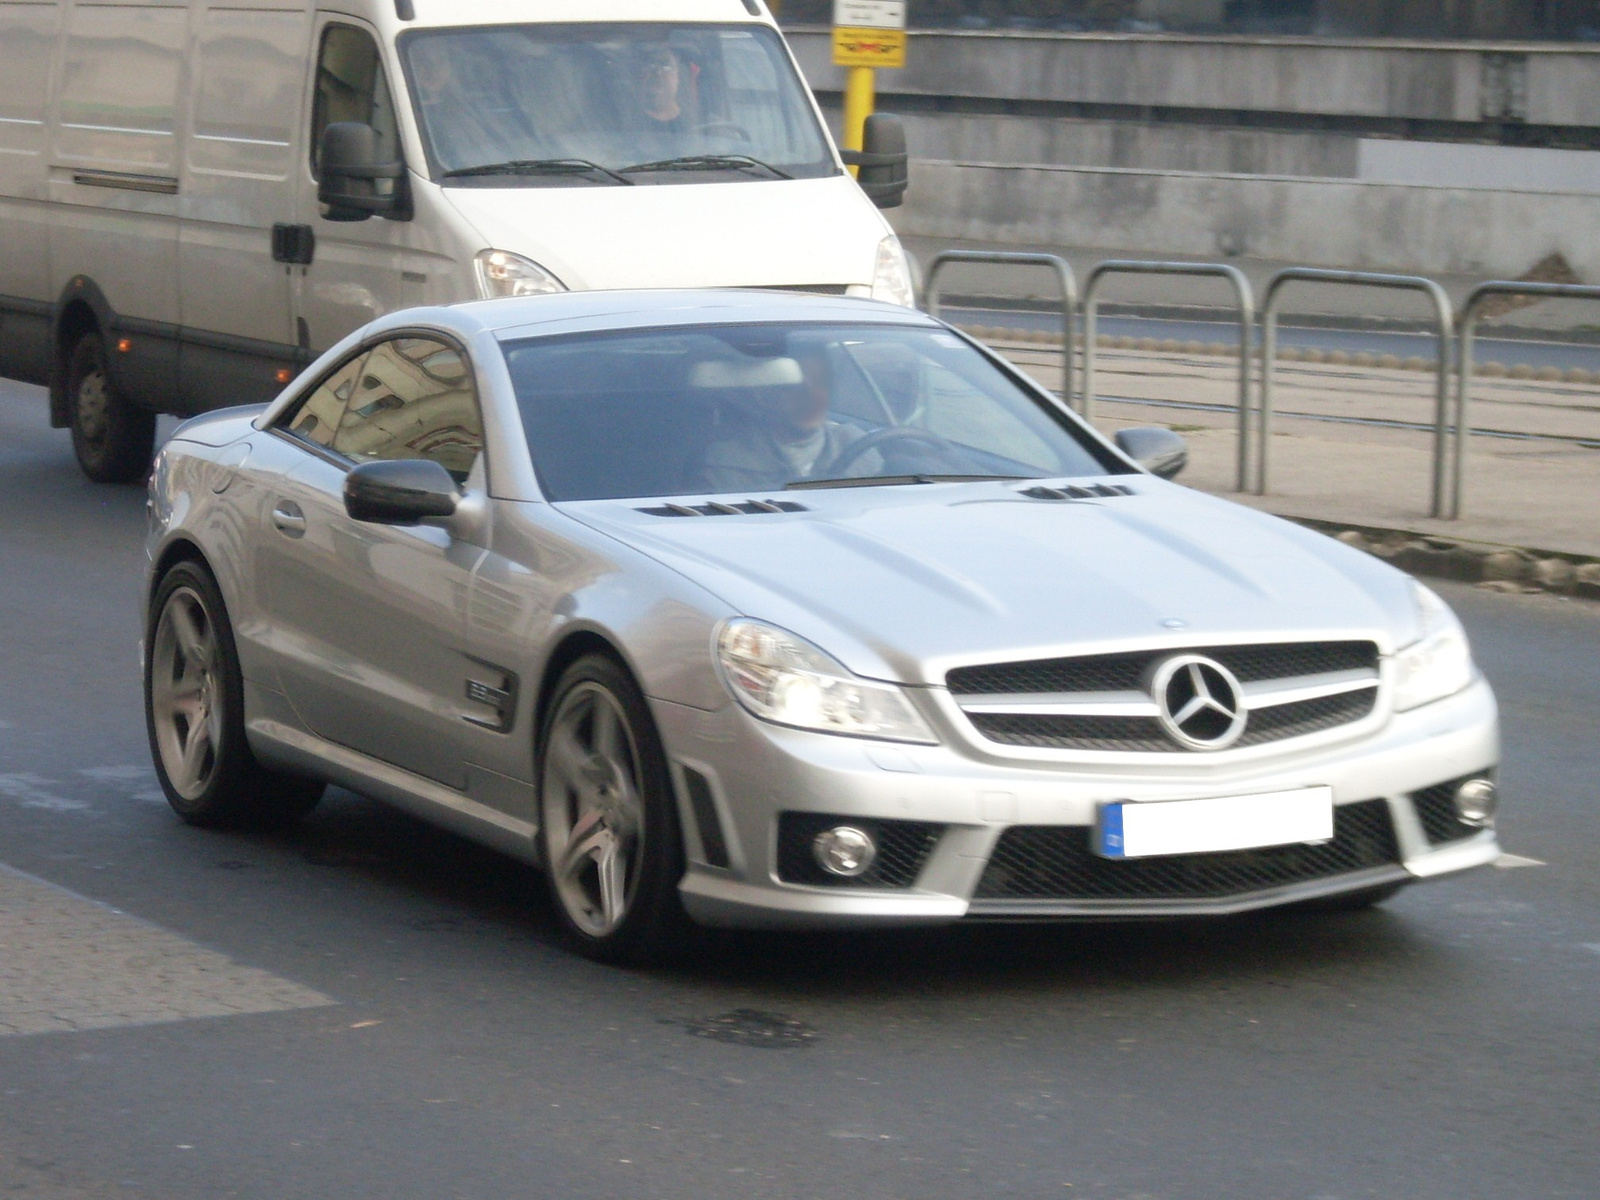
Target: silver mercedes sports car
pixel 780 610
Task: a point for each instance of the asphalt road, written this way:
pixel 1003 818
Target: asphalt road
pixel 366 1007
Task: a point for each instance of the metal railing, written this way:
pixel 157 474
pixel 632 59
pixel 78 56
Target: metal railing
pixel 1064 276
pixel 1247 318
pixel 1466 326
pixel 1269 353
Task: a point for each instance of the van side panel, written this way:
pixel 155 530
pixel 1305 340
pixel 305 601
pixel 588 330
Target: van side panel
pixel 247 88
pixel 114 177
pixel 28 35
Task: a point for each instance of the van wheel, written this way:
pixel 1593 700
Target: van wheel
pixel 194 710
pixel 613 852
pixel 112 438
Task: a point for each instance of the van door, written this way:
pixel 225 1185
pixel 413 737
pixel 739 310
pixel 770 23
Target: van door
pixel 27 48
pixel 362 269
pixel 246 93
pixel 114 162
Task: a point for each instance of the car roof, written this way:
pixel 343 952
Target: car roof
pixel 585 312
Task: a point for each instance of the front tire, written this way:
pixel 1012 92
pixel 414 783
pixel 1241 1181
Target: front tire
pixel 113 439
pixel 194 712
pixel 613 849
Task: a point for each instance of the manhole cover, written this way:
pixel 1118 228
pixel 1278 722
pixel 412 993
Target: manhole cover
pixel 751 1027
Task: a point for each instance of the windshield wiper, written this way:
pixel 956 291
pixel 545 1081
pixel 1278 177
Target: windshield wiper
pixel 710 162
pixel 894 480
pixel 540 166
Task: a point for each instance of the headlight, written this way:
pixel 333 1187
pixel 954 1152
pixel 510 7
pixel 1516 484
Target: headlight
pixel 891 275
pixel 501 274
pixel 1439 663
pixel 782 679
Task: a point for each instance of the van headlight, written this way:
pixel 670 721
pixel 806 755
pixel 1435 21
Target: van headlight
pixel 1439 663
pixel 502 274
pixel 891 275
pixel 783 679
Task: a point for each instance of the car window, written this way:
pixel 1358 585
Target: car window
pixel 413 398
pixel 351 87
pixel 317 419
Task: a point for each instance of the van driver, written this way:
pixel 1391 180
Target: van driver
pixel 790 440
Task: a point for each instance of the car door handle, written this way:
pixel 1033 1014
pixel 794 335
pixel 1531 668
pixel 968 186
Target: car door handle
pixel 288 518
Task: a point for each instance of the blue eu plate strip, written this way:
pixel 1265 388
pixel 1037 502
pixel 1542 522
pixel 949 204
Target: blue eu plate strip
pixel 1110 830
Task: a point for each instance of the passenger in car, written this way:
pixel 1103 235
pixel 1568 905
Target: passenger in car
pixel 786 439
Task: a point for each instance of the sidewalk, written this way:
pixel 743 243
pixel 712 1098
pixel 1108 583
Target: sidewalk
pixel 1536 492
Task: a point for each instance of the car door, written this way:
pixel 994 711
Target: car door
pixel 371 621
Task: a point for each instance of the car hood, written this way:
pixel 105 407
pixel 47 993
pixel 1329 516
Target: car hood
pixel 753 233
pixel 906 582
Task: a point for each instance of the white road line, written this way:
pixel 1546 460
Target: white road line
pixel 68 963
pixel 131 773
pixel 1510 862
pixel 32 791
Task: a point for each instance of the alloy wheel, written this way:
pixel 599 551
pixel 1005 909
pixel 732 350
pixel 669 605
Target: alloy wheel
pixel 593 809
pixel 186 693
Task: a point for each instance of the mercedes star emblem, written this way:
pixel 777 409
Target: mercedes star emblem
pixel 1200 703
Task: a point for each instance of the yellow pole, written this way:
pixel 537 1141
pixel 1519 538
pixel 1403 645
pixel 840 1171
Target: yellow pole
pixel 859 98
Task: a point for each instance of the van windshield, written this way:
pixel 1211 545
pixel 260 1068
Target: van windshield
pixel 611 105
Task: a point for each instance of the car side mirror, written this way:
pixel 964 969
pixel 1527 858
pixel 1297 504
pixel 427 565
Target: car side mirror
pixel 883 166
pixel 1159 451
pixel 348 184
pixel 400 492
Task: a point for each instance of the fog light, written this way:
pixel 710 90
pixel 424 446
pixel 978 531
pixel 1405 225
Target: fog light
pixel 1476 801
pixel 844 850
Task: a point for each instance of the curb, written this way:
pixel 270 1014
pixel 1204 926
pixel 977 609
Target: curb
pixel 1513 569
pixel 1338 358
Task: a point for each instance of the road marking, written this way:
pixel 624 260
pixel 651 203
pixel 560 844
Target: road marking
pixel 1595 946
pixel 68 963
pixel 1510 862
pixel 30 791
pixel 132 773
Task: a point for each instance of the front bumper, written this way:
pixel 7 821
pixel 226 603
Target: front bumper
pixel 754 772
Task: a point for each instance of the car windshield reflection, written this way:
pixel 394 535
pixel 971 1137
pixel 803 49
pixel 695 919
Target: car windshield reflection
pixel 765 407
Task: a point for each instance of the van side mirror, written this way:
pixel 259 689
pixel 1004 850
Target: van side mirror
pixel 348 187
pixel 400 492
pixel 884 170
pixel 1159 451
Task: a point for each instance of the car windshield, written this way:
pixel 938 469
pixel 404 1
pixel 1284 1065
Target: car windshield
pixel 610 105
pixel 741 409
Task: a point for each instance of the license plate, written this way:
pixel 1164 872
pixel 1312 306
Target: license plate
pixel 1134 830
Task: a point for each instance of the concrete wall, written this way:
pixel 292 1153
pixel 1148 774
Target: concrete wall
pixel 1429 230
pixel 1277 148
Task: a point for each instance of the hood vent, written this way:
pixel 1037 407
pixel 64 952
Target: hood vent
pixel 1072 492
pixel 746 508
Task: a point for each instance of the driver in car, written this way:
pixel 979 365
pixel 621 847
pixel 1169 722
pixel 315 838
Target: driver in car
pixel 791 440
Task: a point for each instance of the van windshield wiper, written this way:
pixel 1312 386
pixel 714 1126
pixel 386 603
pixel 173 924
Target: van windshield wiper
pixel 710 162
pixel 540 166
pixel 893 480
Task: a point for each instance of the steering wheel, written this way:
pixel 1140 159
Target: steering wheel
pixel 879 437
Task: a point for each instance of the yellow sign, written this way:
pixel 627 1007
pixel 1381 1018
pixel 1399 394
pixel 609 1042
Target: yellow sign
pixel 854 47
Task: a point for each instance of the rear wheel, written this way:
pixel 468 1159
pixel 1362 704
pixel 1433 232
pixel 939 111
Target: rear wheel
pixel 194 710
pixel 112 438
pixel 613 850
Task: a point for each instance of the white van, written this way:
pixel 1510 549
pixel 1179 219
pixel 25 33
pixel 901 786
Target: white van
pixel 199 196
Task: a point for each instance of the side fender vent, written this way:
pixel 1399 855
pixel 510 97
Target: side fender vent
pixel 746 508
pixel 1093 491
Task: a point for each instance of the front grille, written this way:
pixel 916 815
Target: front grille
pixel 1129 673
pixel 1051 862
pixel 1436 808
pixel 903 846
pixel 1125 672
